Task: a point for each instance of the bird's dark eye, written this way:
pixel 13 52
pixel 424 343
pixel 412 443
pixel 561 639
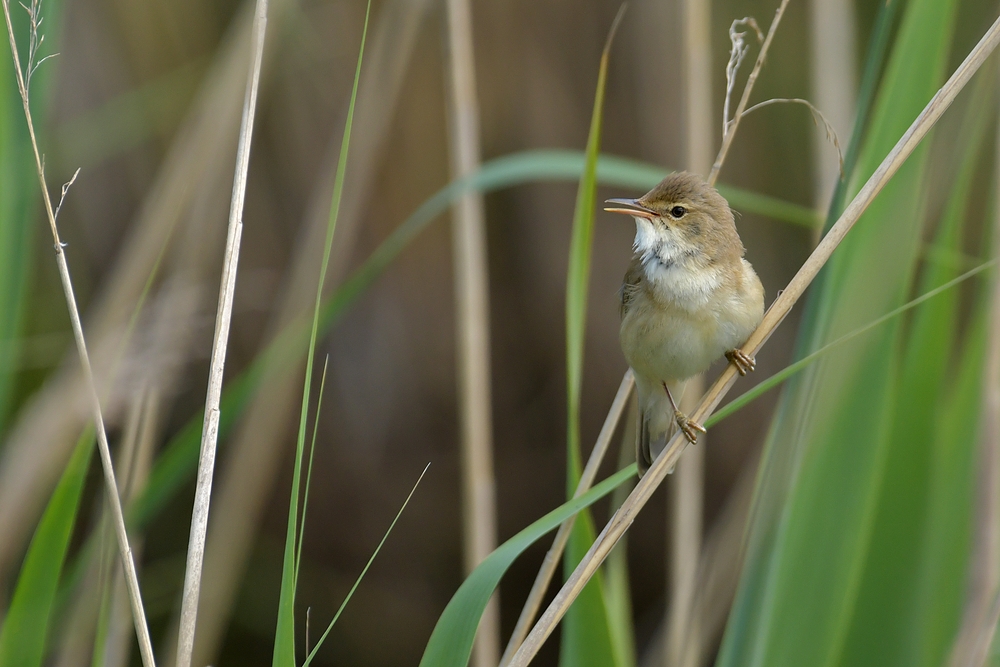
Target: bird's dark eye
pixel 677 212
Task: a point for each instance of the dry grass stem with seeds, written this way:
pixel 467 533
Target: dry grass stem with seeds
pixel 210 429
pixel 624 517
pixel 729 127
pixel 111 487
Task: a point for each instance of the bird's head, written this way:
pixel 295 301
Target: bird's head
pixel 682 220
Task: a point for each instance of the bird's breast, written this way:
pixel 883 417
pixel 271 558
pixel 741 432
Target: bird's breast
pixel 682 320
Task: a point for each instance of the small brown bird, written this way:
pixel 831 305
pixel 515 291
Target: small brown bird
pixel 688 297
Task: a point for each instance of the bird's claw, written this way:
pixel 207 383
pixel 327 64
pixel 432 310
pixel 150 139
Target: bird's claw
pixel 744 362
pixel 689 428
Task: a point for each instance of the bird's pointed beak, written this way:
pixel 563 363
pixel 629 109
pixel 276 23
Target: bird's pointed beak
pixel 629 207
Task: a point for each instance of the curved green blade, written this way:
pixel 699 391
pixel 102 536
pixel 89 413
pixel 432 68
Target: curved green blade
pixel 23 636
pixel 450 644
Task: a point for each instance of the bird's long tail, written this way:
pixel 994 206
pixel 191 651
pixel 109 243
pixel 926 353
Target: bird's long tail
pixel 656 420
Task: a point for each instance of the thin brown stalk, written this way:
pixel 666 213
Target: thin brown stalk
pixel 623 518
pixel 554 555
pixel 731 126
pixel 111 487
pixel 210 429
pixel 685 499
pixel 472 323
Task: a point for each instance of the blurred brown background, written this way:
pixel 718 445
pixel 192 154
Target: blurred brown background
pixel 132 81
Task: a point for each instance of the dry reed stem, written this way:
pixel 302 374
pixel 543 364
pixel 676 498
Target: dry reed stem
pixel 983 586
pixel 210 429
pixel 111 487
pixel 554 555
pixel 834 84
pixel 685 497
pixel 622 519
pixel 190 178
pixel 685 504
pixel 731 126
pixel 472 323
pixel 117 642
pixel 258 445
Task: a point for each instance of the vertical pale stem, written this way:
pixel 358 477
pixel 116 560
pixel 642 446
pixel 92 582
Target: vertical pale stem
pixel 210 428
pixel 685 500
pixel 834 86
pixel 685 497
pixel 472 322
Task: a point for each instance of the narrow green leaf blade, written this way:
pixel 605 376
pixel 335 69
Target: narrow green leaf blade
pixel 284 636
pixel 817 496
pixel 881 632
pixel 23 637
pixel 450 644
pixel 586 632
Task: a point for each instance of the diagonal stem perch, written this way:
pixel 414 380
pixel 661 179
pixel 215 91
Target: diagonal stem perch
pixel 623 518
pixel 210 429
pixel 111 486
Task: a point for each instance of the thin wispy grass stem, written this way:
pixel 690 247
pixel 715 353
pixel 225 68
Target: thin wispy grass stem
pixel 471 278
pixel 210 429
pixel 111 486
pixel 733 125
pixel 623 518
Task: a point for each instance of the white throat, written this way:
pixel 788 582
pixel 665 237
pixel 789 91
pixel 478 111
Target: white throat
pixel 672 266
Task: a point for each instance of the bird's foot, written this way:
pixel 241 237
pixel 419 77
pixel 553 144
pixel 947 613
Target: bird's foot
pixel 688 427
pixel 744 362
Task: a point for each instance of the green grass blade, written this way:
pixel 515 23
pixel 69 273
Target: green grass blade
pixel 586 633
pixel 816 501
pixel 942 568
pixel 882 627
pixel 23 636
pixel 450 644
pixel 309 468
pixel 364 571
pixel 284 636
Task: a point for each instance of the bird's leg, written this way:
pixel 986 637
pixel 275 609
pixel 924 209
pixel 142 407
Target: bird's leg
pixel 687 426
pixel 744 362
